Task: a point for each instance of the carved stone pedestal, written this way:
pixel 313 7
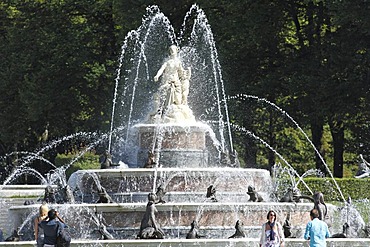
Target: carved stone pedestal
pixel 173 145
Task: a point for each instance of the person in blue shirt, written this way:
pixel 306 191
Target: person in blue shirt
pixel 316 230
pixel 50 227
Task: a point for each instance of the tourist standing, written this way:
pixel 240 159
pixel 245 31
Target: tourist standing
pixel 50 227
pixel 42 215
pixel 316 230
pixel 272 232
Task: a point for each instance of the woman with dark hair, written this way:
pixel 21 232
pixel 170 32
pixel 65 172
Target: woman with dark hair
pixel 272 232
pixel 50 226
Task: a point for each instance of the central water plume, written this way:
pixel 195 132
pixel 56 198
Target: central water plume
pixel 142 53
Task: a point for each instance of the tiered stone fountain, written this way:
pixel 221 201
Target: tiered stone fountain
pixel 172 148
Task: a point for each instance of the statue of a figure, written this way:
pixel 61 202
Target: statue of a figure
pixel 239 232
pixel 254 196
pixel 171 100
pixel 363 170
pixel 104 197
pixel 150 163
pixel 49 195
pixel 287 227
pixel 194 231
pixel 318 203
pixel 159 194
pixel 343 234
pixel 185 86
pixel 211 193
pixel 14 237
pixel 102 227
pixel 106 160
pixel 292 195
pixel 64 194
pixel 366 230
pixel 149 228
pixel 172 72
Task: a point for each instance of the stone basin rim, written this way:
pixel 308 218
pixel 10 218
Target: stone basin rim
pixel 177 205
pixel 215 169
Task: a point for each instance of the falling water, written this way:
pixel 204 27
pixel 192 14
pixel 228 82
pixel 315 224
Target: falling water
pixel 242 129
pixel 242 96
pixel 142 53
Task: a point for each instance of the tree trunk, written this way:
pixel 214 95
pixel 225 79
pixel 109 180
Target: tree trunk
pixel 250 154
pixel 317 132
pixel 337 132
pixel 271 138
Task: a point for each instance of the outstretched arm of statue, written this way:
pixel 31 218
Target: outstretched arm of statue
pixel 160 72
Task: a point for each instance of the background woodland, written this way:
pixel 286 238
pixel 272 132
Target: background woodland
pixel 310 58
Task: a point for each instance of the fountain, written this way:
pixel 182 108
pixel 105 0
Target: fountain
pixel 170 166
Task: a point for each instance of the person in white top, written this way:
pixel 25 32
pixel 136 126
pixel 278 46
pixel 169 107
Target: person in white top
pixel 272 232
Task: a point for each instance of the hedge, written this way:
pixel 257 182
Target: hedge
pixel 354 188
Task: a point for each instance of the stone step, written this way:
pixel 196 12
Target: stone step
pixel 240 242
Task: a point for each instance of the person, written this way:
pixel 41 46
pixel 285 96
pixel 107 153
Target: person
pixel 170 90
pixel 272 232
pixel 316 230
pixel 50 226
pixel 42 215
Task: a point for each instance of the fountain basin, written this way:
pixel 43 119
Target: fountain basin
pixel 216 220
pixel 188 181
pixel 22 190
pixel 241 242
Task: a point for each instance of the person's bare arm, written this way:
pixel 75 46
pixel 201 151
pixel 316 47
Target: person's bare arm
pixel 36 227
pixel 59 218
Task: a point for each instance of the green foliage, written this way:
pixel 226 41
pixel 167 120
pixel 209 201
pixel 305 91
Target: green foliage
pixel 350 187
pixel 87 161
pixel 59 60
